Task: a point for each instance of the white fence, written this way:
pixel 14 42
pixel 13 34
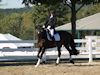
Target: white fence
pixel 10 53
pixel 88 47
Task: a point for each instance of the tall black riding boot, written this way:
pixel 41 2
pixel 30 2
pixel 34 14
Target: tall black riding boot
pixel 53 39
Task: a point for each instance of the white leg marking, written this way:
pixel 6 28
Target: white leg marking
pixel 70 57
pixel 38 62
pixel 57 61
pixel 44 57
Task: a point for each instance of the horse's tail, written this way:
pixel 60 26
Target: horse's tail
pixel 73 46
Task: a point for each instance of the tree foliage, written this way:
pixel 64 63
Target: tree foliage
pixel 53 2
pixel 71 3
pixel 22 22
pixel 38 2
pixel 11 24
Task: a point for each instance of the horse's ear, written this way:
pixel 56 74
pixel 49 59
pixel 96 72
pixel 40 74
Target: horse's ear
pixel 38 27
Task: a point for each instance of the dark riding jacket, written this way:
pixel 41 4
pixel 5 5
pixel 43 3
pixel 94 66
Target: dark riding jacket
pixel 51 22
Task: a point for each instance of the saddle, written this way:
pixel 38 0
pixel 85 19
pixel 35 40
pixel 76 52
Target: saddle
pixel 56 36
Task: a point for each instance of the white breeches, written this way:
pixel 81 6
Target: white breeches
pixel 51 32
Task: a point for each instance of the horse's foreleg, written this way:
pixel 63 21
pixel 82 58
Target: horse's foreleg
pixel 57 61
pixel 43 56
pixel 38 55
pixel 58 58
pixel 38 62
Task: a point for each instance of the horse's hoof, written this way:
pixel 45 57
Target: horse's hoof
pixel 75 53
pixel 78 52
pixel 56 64
pixel 43 62
pixel 71 61
pixel 36 66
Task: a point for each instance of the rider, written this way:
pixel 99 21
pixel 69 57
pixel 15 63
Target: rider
pixel 51 23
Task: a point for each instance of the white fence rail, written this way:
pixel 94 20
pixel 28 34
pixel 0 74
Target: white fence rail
pixel 89 48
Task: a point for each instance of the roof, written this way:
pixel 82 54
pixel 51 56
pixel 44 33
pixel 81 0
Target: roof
pixel 9 37
pixel 6 45
pixel 88 23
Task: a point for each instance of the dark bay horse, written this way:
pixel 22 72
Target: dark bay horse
pixel 66 40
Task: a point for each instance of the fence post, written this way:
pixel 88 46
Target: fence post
pixel 90 46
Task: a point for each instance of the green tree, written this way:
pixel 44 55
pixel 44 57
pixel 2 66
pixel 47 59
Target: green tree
pixel 40 12
pixel 75 6
pixel 28 26
pixel 11 24
pixel 71 3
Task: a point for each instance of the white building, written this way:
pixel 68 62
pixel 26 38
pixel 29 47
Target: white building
pixel 9 37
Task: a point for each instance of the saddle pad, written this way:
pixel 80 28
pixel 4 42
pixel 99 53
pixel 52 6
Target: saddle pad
pixel 57 37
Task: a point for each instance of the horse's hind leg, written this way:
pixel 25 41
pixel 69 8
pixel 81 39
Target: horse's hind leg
pixel 73 47
pixel 69 50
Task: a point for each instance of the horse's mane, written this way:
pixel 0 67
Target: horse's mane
pixel 42 33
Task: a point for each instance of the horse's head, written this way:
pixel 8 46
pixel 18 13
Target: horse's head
pixel 41 34
pixel 40 31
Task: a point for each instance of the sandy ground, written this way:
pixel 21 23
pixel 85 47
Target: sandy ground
pixel 51 69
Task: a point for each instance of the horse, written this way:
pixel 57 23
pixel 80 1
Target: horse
pixel 66 39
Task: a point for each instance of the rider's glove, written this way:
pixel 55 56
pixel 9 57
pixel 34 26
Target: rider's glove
pixel 43 26
pixel 48 27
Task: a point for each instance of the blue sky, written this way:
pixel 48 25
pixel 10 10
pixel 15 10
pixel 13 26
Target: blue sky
pixel 6 4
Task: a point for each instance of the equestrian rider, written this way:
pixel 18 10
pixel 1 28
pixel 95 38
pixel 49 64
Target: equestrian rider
pixel 51 23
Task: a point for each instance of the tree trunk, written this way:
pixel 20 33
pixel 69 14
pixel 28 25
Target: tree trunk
pixel 73 19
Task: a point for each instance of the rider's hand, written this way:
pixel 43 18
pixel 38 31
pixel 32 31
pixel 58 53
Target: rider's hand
pixel 48 27
pixel 43 26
